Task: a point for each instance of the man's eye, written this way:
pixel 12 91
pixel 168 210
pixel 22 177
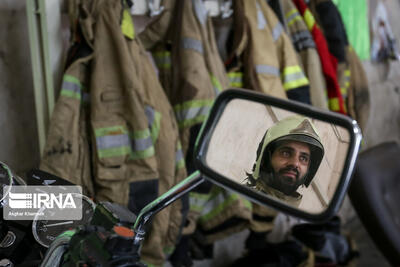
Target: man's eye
pixel 304 159
pixel 285 153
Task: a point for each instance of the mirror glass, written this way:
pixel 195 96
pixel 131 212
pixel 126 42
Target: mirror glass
pixel 284 155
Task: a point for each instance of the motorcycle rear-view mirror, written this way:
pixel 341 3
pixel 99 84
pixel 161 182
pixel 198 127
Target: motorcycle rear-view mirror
pixel 293 157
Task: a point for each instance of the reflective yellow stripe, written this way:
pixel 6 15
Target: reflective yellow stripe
pixel 343 91
pixel 116 141
pixel 127 25
pixel 192 112
pixel 334 104
pixel 309 19
pixel 154 120
pixel 218 202
pixel 216 84
pixel 291 70
pixel 293 16
pixel 162 59
pixel 71 87
pixel 293 77
pixel 236 79
pixel 346 83
pixel 291 12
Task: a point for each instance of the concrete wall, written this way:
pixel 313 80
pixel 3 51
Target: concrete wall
pixel 18 135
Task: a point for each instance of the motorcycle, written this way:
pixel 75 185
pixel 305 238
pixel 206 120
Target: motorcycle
pixel 233 143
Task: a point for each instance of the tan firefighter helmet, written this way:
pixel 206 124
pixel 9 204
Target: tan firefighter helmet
pixel 293 128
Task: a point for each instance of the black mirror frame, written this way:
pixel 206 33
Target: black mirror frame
pixel 331 117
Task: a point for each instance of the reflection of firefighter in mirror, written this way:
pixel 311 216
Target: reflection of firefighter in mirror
pixel 288 156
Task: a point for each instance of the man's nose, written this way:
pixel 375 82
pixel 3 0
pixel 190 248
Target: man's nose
pixel 295 162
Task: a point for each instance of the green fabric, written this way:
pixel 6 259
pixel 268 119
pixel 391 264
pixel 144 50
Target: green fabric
pixel 127 25
pixel 355 18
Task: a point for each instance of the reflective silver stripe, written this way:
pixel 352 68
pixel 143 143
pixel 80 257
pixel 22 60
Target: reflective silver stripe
pixel 110 141
pixel 178 155
pixel 162 61
pixel 142 144
pixel 303 44
pixel 266 69
pixel 216 91
pixel 215 201
pixel 195 200
pixel 201 11
pixel 301 35
pixel 303 40
pixel 293 77
pixel 149 114
pixel 261 22
pixel 192 113
pixel 73 87
pixel 236 79
pixel 277 31
pixel 293 16
pixel 190 43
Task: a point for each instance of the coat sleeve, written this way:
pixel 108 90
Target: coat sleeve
pixel 66 152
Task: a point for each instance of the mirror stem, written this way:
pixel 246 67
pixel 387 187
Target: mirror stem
pixel 163 201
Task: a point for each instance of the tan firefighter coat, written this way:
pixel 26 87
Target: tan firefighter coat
pixel 308 55
pixel 136 153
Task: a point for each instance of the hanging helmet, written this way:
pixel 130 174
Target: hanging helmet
pixel 294 128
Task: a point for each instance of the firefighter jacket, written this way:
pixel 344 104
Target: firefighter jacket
pixel 156 38
pixel 198 72
pixel 328 61
pixel 275 70
pixel 66 153
pixel 293 200
pixel 136 154
pixel 350 73
pixel 328 17
pixel 192 73
pixel 308 55
pixel 198 77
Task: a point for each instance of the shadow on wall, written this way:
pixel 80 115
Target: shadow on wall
pixel 384 117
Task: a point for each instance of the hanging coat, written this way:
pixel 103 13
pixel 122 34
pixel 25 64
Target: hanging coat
pixel 328 17
pixel 350 73
pixel 262 56
pixel 308 55
pixel 198 77
pixel 66 152
pixel 134 136
pixel 193 74
pixel 328 61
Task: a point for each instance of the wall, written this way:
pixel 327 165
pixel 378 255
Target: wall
pixel 384 87
pixel 18 135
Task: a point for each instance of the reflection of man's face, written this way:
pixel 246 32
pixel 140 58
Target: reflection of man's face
pixel 290 162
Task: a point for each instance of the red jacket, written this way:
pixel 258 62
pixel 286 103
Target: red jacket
pixel 328 61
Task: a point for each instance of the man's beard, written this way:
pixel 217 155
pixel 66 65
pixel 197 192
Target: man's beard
pixel 287 185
